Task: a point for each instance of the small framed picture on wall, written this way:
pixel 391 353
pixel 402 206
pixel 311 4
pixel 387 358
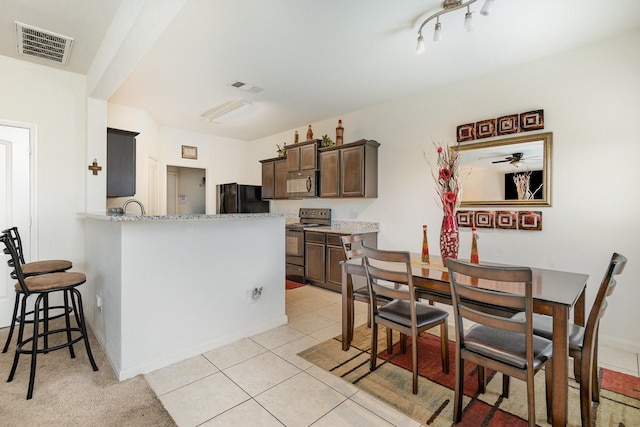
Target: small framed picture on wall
pixel 189 152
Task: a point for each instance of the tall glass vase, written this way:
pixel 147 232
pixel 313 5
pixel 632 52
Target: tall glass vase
pixel 449 238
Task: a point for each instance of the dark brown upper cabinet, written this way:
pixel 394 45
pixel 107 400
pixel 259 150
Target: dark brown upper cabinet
pixel 349 170
pixel 121 162
pixel 302 156
pixel 274 178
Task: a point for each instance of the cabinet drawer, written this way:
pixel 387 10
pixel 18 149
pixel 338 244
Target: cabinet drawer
pixel 311 236
pixel 334 239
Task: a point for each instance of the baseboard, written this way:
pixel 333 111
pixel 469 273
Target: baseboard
pixel 619 343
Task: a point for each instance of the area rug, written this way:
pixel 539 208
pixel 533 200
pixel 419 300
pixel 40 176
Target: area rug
pixel 69 393
pixel 433 405
pixel 290 284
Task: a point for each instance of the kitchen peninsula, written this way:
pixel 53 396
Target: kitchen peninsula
pixel 161 289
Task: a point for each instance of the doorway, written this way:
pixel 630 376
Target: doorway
pixel 16 196
pixel 186 191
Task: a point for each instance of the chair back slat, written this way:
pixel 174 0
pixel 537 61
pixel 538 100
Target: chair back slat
pixel 391 267
pixel 14 235
pixel 493 321
pixel 603 309
pixel 352 245
pixel 491 297
pixel 15 262
pixel 607 286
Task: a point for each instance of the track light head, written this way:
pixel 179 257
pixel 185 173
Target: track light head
pixel 421 47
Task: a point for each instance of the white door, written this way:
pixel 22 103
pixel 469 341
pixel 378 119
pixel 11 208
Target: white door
pixel 152 190
pixel 15 173
pixel 172 193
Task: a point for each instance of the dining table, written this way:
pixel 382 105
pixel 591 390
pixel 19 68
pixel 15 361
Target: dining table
pixel 555 293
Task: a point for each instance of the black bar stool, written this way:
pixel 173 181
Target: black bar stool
pixel 33 269
pixel 42 286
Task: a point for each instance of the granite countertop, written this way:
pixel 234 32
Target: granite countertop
pixel 128 217
pixel 348 227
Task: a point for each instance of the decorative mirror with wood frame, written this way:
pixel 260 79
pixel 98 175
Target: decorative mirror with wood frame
pixel 512 171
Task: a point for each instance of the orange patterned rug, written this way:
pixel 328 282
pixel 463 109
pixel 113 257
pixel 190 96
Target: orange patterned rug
pixel 433 405
pixel 290 284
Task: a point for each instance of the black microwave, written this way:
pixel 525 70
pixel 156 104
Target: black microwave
pixel 302 184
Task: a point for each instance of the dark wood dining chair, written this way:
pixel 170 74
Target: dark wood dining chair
pixel 385 270
pixel 32 269
pixel 41 286
pixel 503 344
pixel 583 341
pixel 352 245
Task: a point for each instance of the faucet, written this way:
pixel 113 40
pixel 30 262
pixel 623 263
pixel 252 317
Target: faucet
pixel 124 207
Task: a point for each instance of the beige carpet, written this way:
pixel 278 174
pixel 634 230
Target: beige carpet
pixel 433 405
pixel 69 393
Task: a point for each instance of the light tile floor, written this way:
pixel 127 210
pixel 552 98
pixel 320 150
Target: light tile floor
pixel 260 381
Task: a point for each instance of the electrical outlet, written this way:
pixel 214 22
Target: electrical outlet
pixel 99 302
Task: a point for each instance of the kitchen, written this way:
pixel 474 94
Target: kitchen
pixel 582 111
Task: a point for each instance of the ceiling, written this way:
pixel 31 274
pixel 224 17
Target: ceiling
pixel 315 59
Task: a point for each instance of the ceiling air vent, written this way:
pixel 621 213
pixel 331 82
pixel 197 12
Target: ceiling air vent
pixel 43 44
pixel 246 87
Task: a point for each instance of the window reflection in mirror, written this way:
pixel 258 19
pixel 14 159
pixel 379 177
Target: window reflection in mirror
pixel 513 171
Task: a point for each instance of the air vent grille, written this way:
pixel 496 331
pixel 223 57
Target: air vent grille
pixel 247 87
pixel 43 44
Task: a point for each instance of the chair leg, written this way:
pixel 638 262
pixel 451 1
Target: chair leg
pixel 14 319
pixel 390 340
pixel 79 310
pixel 444 346
pixel 482 386
pixel 16 357
pixel 68 323
pixel 374 346
pixel 586 389
pixel 414 361
pixel 505 385
pixel 548 378
pixel 595 383
pixel 34 343
pixel 45 322
pixel 403 343
pixel 531 398
pixel 459 388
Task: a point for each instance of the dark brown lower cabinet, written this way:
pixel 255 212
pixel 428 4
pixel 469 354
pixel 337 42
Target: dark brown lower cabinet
pixel 323 254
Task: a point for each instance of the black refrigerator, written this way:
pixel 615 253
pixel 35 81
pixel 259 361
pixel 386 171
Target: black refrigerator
pixel 237 198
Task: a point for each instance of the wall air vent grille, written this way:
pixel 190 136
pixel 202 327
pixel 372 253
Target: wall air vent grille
pixel 43 44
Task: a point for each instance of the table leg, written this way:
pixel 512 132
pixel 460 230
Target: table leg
pixel 347 308
pixel 559 363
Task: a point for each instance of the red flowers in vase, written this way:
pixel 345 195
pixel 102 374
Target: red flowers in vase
pixel 446 174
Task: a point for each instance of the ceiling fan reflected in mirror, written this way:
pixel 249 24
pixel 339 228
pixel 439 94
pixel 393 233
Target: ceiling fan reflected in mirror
pixel 515 159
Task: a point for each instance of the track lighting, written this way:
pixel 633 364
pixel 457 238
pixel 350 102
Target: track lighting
pixel 486 8
pixel 437 33
pixel 421 46
pixel 468 21
pixel 450 6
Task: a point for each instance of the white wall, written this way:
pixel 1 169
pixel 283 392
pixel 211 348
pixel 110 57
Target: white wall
pixel 591 101
pixel 55 102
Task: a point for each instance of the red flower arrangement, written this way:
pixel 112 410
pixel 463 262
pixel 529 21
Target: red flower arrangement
pixel 446 174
